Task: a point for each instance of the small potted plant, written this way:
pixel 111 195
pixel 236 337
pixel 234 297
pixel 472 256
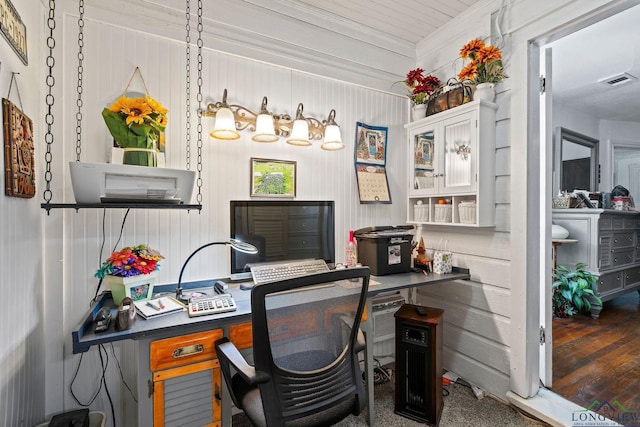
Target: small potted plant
pixel 131 272
pixel 573 290
pixel 420 88
pixel 484 70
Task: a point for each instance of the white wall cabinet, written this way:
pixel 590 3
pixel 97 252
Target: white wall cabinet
pixel 451 167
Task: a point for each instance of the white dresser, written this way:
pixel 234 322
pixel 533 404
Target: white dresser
pixel 608 243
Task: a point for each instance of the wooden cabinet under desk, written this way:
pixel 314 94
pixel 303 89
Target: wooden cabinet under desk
pixel 608 243
pixel 186 380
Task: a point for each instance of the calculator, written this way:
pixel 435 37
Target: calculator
pixel 211 305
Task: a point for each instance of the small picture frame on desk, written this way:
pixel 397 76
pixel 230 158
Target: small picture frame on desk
pixel 138 288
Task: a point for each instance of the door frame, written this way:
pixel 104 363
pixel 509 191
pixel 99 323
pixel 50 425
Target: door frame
pixel 539 129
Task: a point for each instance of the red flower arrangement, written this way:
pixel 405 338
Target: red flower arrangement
pixel 131 261
pixel 420 87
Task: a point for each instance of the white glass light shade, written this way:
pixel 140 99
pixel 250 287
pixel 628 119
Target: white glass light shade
pixel 265 129
pixel 299 133
pixel 332 139
pixel 225 125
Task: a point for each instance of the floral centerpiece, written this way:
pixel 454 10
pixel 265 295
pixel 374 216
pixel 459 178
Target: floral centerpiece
pixel 420 87
pixel 136 125
pixel 131 261
pixel 131 272
pixel 485 64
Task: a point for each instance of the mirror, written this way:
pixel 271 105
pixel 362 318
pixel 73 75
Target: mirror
pixel 626 168
pixel 576 162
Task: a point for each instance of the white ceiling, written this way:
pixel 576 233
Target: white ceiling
pixel 602 50
pixel 580 60
pixel 605 49
pixel 408 20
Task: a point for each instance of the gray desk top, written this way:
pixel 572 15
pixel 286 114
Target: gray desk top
pixel 84 336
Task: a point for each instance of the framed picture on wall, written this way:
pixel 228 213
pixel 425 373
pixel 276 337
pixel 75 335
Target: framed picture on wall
pixel 19 161
pixel 273 178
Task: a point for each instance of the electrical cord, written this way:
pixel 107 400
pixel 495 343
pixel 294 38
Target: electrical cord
pixel 104 381
pixel 113 351
pixel 104 239
pixel 104 363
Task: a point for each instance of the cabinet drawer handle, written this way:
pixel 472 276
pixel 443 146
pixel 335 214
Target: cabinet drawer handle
pixel 189 350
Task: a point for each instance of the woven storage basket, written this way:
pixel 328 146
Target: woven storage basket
pixel 467 212
pixel 442 213
pixel 561 202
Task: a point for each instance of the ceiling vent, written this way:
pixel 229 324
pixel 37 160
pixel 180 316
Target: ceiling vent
pixel 618 79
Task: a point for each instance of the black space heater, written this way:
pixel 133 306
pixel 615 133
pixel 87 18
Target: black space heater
pixel 418 393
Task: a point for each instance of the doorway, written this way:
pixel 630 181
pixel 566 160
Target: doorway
pixel 567 107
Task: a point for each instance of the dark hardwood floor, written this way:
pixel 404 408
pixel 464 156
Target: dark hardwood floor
pixel 599 359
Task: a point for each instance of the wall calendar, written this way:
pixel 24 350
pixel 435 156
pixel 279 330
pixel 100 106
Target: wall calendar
pixel 370 161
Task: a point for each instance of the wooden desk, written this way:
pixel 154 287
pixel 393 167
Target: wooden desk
pixel 144 332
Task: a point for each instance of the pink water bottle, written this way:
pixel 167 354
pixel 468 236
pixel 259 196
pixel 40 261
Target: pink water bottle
pixel 351 258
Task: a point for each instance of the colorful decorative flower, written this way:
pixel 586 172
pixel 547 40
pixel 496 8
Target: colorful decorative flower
pixel 420 87
pixel 130 261
pixel 486 63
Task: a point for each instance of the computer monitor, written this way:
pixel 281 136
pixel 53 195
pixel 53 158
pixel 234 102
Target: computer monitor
pixel 282 230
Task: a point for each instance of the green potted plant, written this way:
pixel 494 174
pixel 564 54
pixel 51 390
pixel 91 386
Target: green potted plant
pixel 573 290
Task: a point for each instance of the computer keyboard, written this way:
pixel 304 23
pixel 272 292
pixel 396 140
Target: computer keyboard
pixel 211 305
pixel 285 270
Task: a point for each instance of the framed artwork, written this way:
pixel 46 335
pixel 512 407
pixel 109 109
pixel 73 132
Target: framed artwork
pixel 139 291
pixel 424 151
pixel 371 144
pixel 273 178
pixel 19 161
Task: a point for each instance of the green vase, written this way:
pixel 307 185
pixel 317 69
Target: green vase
pixel 143 156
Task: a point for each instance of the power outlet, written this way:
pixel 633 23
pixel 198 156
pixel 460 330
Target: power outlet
pixel 478 392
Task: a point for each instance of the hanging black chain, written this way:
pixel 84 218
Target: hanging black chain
pixel 49 99
pixel 199 98
pixel 80 73
pixel 188 83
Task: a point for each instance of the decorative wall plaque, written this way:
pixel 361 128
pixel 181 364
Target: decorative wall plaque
pixel 19 161
pixel 13 29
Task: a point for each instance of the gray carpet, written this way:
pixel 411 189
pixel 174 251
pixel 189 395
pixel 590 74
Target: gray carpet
pixel 461 408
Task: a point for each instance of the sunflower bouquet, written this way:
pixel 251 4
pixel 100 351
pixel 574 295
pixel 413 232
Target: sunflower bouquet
pixel 136 125
pixel 485 64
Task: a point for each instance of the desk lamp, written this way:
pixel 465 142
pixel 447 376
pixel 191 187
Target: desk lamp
pixel 237 245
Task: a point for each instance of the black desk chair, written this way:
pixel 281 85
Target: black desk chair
pixel 306 339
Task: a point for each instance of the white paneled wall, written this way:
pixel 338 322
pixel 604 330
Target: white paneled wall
pixel 109 63
pixel 22 349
